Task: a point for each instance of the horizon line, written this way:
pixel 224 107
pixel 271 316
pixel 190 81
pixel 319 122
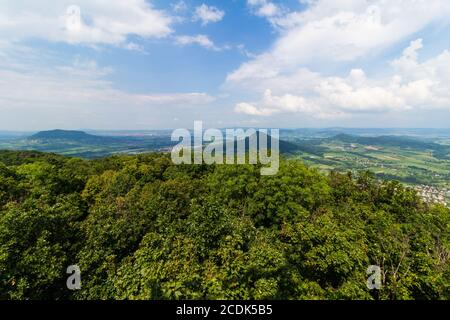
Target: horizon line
pixel 231 127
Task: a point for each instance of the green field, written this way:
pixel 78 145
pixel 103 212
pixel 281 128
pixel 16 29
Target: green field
pixel 407 165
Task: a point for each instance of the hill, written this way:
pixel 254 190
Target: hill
pixel 68 135
pixel 285 147
pixel 82 144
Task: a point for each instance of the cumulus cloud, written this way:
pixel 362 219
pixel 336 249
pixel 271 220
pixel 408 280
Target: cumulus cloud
pixel 329 33
pixel 208 14
pixel 341 30
pixel 271 104
pixel 89 22
pixel 264 8
pixel 200 39
pixel 411 85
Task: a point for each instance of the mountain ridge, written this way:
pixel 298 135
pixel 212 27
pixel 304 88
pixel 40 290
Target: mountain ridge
pixel 58 134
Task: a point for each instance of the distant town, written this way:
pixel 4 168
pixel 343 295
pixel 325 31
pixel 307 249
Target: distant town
pixel 434 195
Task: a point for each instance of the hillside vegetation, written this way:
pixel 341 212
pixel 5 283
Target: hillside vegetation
pixel 140 227
pixel 421 159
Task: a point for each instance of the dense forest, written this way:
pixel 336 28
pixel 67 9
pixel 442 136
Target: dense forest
pixel 140 227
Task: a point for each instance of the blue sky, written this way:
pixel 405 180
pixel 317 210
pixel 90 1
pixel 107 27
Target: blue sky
pixel 263 63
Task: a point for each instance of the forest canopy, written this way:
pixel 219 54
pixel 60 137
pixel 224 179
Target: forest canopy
pixel 140 227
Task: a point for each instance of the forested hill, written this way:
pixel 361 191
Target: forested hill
pixel 61 134
pixel 68 135
pixel 140 227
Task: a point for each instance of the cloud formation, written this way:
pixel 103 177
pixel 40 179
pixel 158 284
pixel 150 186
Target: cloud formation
pixel 200 39
pixel 89 22
pixel 208 14
pixel 75 93
pixel 264 8
pixel 412 85
pixel 329 33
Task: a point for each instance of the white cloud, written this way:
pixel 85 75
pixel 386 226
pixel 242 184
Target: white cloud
pixel 288 103
pixel 276 104
pixel 76 95
pixel 264 8
pixel 89 22
pixel 179 7
pixel 132 46
pixel 341 30
pixel 411 85
pixel 328 33
pixel 81 84
pixel 208 14
pixel 200 39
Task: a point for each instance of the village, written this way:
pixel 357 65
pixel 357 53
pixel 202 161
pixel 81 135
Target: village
pixel 431 194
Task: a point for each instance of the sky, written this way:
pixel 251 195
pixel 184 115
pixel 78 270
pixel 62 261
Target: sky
pixel 154 64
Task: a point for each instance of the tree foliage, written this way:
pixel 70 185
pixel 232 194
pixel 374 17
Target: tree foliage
pixel 140 227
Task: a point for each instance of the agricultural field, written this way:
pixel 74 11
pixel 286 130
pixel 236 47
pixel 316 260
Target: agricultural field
pixel 415 167
pixel 412 166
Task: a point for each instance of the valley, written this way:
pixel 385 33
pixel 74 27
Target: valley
pixel 419 158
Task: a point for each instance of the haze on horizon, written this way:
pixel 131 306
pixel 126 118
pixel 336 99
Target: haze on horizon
pixel 144 65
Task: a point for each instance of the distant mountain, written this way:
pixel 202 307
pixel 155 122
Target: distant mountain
pixel 85 145
pixel 68 135
pixel 285 147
